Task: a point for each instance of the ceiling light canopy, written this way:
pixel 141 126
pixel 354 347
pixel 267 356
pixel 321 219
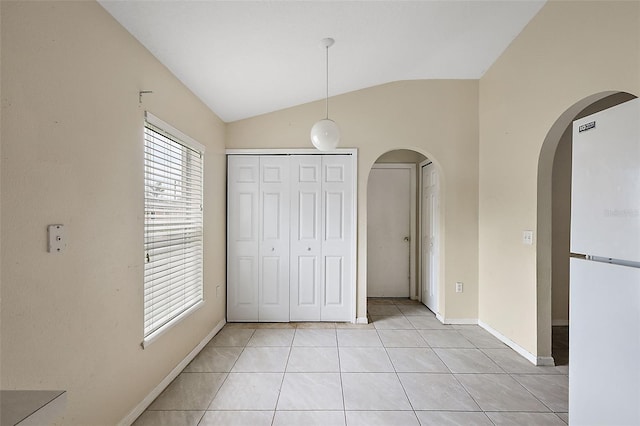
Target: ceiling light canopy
pixel 325 134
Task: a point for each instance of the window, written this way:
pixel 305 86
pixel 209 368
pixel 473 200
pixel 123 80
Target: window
pixel 173 228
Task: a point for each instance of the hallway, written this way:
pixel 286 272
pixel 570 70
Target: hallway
pixel 404 368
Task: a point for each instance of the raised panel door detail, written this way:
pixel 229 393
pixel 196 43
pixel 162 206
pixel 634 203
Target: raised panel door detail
pixel 307 215
pixel 306 244
pixel 334 216
pixel 271 216
pixel 242 238
pixel 334 277
pixel 243 288
pixel 290 238
pixel 270 280
pixel 430 229
pixel 246 174
pixel 338 270
pixel 274 245
pixel 271 174
pixel 335 173
pixel 245 210
pixel 307 282
pixel 308 173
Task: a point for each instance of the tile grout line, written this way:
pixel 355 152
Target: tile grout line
pixel 505 372
pixel 206 410
pixel 511 372
pixel 395 369
pixel 462 385
pixel 228 373
pixel 275 409
pixel 531 393
pixel 454 376
pixel 344 402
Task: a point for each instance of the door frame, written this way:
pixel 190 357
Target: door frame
pixel 420 251
pixel 354 237
pixel 413 290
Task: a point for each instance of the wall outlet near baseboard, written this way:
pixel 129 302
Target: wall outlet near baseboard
pixel 459 287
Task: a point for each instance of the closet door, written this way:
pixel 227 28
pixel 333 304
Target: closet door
pixel 273 293
pixel 242 237
pixel 306 243
pixel 337 238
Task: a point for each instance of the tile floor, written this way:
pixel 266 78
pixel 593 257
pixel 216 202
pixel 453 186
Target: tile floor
pixel 560 344
pixel 404 368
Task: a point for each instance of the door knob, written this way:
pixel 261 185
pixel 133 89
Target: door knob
pixel 273 249
pixel 407 238
pixel 308 248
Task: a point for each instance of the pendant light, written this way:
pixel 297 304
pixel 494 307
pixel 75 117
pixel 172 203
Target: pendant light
pixel 325 134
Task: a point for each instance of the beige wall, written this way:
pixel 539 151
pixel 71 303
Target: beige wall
pixel 72 154
pixel 570 54
pixel 1 138
pixel 560 229
pixel 401 156
pixel 438 118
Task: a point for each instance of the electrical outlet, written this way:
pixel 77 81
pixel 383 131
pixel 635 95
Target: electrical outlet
pixel 459 287
pixel 527 238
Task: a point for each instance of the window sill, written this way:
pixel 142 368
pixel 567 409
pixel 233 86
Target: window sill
pixel 159 332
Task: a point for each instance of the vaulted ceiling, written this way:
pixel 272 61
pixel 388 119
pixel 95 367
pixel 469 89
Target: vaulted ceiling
pixel 246 58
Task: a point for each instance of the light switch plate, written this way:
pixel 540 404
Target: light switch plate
pixel 57 238
pixel 527 238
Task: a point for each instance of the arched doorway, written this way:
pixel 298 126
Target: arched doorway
pixel 403 231
pixel 554 216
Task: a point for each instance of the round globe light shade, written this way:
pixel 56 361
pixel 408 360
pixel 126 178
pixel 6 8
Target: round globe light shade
pixel 325 135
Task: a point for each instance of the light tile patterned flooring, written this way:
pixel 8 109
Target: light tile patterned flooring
pixel 404 368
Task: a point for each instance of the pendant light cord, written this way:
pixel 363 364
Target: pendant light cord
pixel 327 98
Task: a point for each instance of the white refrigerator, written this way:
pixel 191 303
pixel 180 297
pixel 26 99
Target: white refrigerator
pixel 604 307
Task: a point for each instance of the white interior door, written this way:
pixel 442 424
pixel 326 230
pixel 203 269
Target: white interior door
pixel 274 239
pixel 306 242
pixel 389 231
pixel 429 239
pixel 337 232
pixel 291 238
pixel 243 236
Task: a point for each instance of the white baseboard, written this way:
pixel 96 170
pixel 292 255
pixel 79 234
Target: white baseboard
pixel 362 320
pixel 144 404
pixel 460 321
pixel 513 345
pixel 456 321
pixel 560 322
pixel 546 361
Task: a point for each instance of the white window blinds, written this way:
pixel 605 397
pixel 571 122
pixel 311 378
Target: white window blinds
pixel 173 226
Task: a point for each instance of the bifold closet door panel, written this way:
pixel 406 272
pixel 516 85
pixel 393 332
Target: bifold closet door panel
pixel 290 238
pixel 306 244
pixel 337 238
pixel 243 199
pixel 274 216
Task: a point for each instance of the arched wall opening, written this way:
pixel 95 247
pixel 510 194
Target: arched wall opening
pixel 553 223
pixel 402 159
